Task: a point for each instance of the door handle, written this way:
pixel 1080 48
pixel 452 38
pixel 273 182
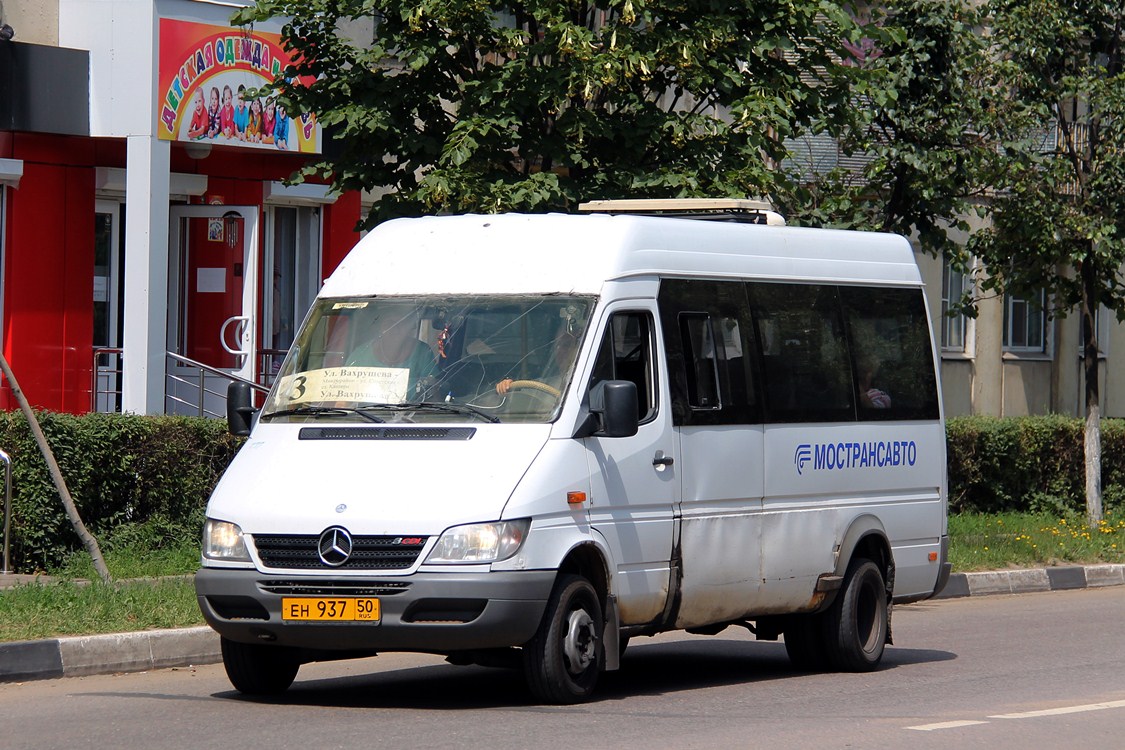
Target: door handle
pixel 240 321
pixel 661 460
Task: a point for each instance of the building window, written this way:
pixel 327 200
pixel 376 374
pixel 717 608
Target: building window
pixel 953 288
pixel 1025 323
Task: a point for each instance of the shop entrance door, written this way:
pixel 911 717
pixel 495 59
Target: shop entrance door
pixel 213 276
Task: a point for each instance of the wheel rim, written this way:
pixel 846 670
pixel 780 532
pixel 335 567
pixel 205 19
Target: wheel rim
pixel 580 642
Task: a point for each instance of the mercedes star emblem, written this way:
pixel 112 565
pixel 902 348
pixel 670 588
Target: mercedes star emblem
pixel 335 546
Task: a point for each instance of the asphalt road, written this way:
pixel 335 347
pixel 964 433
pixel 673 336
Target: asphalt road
pixel 1043 670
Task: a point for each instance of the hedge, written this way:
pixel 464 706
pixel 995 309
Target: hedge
pixel 129 475
pixel 149 477
pixel 1029 464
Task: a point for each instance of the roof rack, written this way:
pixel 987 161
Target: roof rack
pixel 712 209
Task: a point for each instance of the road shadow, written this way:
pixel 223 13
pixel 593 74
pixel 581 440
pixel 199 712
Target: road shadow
pixel 652 668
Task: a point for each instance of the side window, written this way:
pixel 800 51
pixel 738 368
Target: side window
pixel 709 337
pixel 626 353
pixel 893 354
pixel 806 367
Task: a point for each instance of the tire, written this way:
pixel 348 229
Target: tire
pixel 255 669
pixel 804 643
pixel 562 662
pixel 855 626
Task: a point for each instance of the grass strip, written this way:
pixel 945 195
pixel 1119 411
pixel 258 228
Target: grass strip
pixel 1023 540
pixel 35 610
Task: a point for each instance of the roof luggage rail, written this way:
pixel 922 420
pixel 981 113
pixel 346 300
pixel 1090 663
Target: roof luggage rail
pixel 741 210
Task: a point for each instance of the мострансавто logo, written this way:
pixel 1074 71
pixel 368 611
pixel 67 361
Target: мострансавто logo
pixel 877 454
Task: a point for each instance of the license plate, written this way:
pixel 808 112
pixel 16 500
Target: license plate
pixel 330 609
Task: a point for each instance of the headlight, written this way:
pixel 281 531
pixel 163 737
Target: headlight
pixel 480 542
pixel 223 541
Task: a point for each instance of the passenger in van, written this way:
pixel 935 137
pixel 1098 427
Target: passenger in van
pixel 871 397
pixel 564 349
pixel 395 345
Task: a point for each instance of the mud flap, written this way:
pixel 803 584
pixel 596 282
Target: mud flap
pixel 611 635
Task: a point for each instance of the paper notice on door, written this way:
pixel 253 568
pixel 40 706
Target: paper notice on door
pixel 346 385
pixel 210 279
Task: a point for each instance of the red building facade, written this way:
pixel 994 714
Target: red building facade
pixel 134 259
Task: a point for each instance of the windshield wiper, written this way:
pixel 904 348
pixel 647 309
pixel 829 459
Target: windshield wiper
pixel 448 408
pixel 333 411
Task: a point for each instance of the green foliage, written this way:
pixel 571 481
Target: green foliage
pixel 132 478
pixel 915 122
pixel 1028 464
pixel 459 105
pixel 1057 125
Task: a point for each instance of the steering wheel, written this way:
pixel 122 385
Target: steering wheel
pixel 534 385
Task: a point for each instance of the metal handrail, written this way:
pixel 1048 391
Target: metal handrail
pixel 7 511
pixel 199 407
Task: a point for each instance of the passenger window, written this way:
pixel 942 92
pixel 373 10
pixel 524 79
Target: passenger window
pixel 893 354
pixel 626 354
pixel 709 340
pixel 806 366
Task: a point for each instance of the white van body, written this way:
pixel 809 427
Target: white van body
pixel 717 509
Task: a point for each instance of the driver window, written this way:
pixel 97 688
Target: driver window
pixel 625 353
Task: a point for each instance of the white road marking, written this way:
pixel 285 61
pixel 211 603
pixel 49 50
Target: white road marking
pixel 946 725
pixel 1061 711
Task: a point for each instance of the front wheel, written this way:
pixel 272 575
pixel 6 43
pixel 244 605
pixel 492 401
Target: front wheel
pixel 256 669
pixel 856 624
pixel 562 662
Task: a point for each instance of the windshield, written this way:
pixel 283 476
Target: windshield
pixel 391 359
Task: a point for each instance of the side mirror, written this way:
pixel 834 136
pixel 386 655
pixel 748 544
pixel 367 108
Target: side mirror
pixel 613 410
pixel 240 410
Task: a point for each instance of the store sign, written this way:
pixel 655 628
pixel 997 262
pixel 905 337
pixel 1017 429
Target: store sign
pixel 204 72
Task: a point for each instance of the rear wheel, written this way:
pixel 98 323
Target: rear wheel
pixel 855 627
pixel 563 661
pixel 256 669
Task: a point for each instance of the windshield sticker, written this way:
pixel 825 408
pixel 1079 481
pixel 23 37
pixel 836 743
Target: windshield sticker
pixel 378 385
pixel 349 305
pixel 873 454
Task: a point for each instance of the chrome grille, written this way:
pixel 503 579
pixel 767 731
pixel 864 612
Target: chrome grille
pixel 299 551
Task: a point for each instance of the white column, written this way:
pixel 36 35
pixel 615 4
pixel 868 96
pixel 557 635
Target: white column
pixel 145 337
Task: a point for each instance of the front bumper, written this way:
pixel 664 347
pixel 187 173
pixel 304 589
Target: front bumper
pixel 430 612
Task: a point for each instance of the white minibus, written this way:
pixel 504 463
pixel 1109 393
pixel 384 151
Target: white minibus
pixel 526 440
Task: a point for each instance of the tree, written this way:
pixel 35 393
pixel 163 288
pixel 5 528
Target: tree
pixel 463 105
pixel 1057 107
pixel 917 151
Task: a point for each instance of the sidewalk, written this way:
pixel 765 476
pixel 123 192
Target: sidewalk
pixel 181 647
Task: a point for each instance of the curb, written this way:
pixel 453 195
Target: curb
pixel 159 649
pixel 105 654
pixel 1026 581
